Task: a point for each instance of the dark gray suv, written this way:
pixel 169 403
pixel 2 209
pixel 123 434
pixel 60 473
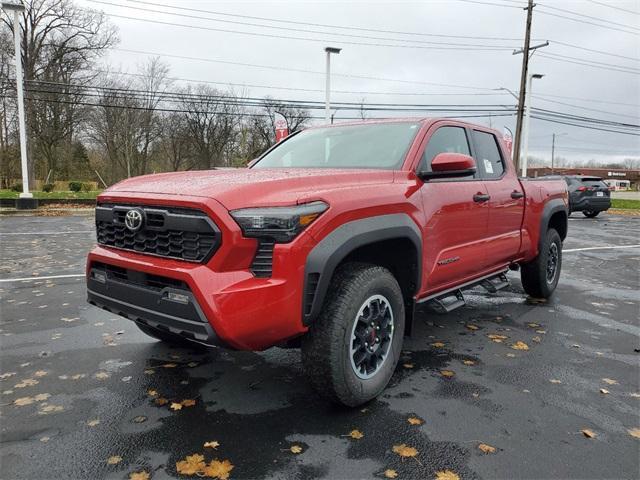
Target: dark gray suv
pixel 589 195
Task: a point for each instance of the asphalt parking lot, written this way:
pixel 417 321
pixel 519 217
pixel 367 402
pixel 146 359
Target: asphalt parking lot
pixel 83 391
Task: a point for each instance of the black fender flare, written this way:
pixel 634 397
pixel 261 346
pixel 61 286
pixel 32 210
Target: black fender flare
pixel 332 249
pixel 551 207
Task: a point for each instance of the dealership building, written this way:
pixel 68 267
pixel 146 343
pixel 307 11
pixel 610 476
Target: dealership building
pixel 619 178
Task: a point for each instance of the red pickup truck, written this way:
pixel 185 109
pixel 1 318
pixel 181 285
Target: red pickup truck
pixel 328 241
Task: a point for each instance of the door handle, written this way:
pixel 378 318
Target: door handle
pixel 481 197
pixel 516 194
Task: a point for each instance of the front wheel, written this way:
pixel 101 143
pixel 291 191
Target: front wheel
pixel 353 347
pixel 590 213
pixel 540 276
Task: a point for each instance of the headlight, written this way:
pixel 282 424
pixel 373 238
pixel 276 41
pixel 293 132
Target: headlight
pixel 283 224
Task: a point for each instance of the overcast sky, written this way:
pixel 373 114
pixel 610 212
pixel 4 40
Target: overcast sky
pixel 595 90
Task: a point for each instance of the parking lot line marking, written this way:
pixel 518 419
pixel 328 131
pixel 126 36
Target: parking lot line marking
pixel 46 233
pixel 599 248
pixel 50 277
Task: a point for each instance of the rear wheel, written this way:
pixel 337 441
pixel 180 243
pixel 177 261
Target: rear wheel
pixel 353 347
pixel 590 213
pixel 168 337
pixel 540 277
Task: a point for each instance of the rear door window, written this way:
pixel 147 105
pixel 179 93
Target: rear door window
pixel 488 157
pixel 445 140
pixel 594 183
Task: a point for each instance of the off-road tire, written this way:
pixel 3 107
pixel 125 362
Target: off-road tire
pixel 591 213
pixel 534 274
pixel 326 354
pixel 168 337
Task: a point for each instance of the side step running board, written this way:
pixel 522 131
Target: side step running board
pixel 495 284
pixel 449 300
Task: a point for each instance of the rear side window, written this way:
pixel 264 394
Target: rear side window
pixel 445 140
pixel 593 182
pixel 488 155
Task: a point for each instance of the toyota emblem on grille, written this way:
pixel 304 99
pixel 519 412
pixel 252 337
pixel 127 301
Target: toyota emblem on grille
pixel 134 219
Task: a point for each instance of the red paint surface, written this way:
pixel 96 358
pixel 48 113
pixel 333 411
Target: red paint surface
pixel 255 313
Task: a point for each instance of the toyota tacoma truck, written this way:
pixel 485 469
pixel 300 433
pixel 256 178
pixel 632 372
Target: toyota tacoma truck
pixel 328 242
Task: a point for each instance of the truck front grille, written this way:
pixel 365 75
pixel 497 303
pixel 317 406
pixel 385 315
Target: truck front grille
pixel 180 233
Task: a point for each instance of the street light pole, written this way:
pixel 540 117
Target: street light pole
pixel 327 103
pixel 553 149
pixel 18 8
pixel 527 117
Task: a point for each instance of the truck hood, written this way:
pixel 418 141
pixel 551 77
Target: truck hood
pixel 240 188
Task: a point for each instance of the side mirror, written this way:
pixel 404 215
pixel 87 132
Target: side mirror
pixel 446 165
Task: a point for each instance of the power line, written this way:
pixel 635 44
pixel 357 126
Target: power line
pixel 602 52
pixel 585 22
pixel 586 108
pixel 344 27
pixel 561 122
pixel 571 12
pixel 614 7
pixel 314 72
pixel 566 59
pixel 435 46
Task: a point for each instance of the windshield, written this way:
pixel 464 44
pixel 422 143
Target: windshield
pixel 379 146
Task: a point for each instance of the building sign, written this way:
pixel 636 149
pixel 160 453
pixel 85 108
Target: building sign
pixel 281 126
pixel 616 174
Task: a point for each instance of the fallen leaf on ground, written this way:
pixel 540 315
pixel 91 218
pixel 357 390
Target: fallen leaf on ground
pixel 634 395
pixel 149 371
pixel 390 473
pixel 610 381
pixel 139 476
pixel 41 397
pixel 50 409
pixel 472 327
pixel 468 362
pixel 520 346
pixel 487 448
pixel 152 393
pixel 45 439
pixel 7 375
pixel 78 376
pixel 356 434
pixel 447 373
pixel 437 344
pixel 101 375
pixel 139 419
pixel 407 365
pixel 536 339
pixel 447 475
pixel 634 432
pixel 114 460
pixel 604 390
pixel 93 423
pixel 218 469
pixel 511 355
pixel 188 402
pixel 214 444
pixel 295 449
pixel 28 382
pixel 192 364
pixel 415 421
pixel 588 433
pixel 161 401
pixel 21 402
pixel 175 406
pixel 533 325
pixel 497 338
pixel 555 381
pixel 541 332
pixel 191 465
pixel 169 365
pixel 40 373
pixel 404 450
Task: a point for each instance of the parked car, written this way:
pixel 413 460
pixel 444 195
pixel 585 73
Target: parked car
pixel 589 195
pixel 328 242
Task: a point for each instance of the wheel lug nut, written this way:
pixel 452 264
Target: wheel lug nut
pixel 366 344
pixel 378 327
pixel 377 339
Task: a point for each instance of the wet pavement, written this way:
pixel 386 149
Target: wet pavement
pixel 83 392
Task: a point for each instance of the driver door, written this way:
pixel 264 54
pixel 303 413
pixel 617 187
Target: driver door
pixel 456 215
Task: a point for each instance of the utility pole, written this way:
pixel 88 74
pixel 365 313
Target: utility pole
pixel 26 197
pixel 523 82
pixel 553 151
pixel 327 101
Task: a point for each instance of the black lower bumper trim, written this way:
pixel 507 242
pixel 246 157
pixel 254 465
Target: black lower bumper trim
pixel 151 305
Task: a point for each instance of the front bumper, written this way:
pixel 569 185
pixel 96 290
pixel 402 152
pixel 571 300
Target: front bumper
pixel 231 308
